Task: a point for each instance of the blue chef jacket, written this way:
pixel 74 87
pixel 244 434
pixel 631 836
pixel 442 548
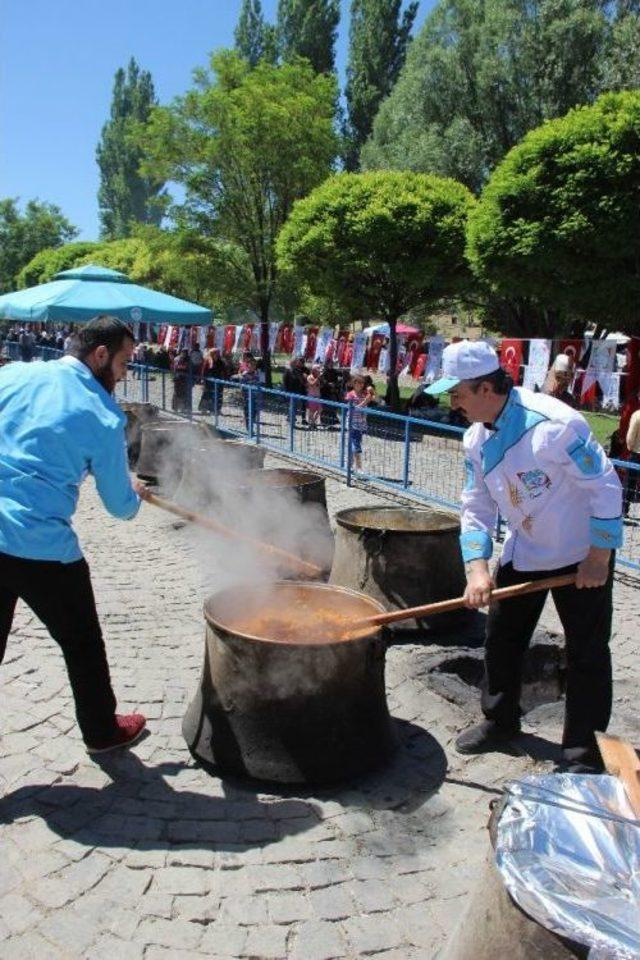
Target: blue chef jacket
pixel 57 424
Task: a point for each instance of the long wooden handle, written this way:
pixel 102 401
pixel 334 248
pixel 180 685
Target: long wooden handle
pixel 443 606
pixel 621 760
pixel 274 553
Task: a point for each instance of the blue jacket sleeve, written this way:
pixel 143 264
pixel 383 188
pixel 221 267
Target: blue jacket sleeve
pixel 111 472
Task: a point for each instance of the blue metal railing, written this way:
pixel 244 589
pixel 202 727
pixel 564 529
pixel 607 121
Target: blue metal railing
pixel 419 459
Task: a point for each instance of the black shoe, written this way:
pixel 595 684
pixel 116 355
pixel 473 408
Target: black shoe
pixel 485 737
pixel 580 760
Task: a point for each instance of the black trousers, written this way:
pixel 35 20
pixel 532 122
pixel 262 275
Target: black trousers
pixel 586 618
pixel 61 596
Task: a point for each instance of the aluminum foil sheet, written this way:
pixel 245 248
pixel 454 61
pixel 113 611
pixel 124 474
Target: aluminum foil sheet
pixel 568 849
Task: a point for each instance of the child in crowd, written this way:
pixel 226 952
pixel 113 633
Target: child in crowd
pixel 357 396
pixel 314 407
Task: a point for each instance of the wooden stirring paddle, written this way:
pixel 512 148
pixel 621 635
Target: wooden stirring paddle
pixel 444 606
pixel 273 553
pixel 621 760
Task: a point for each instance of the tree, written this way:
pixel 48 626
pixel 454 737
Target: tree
pixel 125 197
pixel 378 38
pixel 558 219
pixel 22 235
pixel 255 39
pixel 481 73
pixel 379 244
pixel 47 263
pixel 246 143
pixel 307 28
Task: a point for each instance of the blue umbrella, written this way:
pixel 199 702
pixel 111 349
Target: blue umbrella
pixel 78 295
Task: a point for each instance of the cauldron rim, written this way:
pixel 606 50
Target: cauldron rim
pixel 224 629
pixel 303 477
pixel 344 519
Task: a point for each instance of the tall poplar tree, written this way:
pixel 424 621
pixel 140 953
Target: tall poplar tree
pixel 307 28
pixel 125 197
pixel 255 39
pixel 379 34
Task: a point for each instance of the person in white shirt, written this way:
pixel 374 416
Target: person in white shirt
pixel 533 460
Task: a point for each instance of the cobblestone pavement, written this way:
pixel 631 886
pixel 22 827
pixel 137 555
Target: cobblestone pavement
pixel 142 854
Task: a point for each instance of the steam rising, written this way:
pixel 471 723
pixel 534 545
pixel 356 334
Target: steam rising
pixel 221 479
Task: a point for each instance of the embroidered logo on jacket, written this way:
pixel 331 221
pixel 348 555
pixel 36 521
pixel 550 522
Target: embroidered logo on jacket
pixel 535 482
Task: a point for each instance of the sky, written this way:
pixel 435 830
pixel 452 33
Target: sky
pixel 56 78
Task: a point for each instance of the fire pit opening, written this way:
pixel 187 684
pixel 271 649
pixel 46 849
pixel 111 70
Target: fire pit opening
pixel 543 678
pixel 283 696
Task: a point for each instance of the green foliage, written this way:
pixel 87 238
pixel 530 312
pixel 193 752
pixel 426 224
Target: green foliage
pixel 125 197
pixel 307 28
pixel 378 38
pixel 481 73
pixel 379 244
pixel 255 39
pixel 246 143
pixel 558 220
pixel 44 266
pixel 22 235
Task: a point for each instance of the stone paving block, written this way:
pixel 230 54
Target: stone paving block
pixel 258 831
pixel 267 943
pixel 108 947
pixel 122 883
pixel 142 858
pixel 169 933
pixel 182 880
pixel 372 934
pixel 246 911
pixel 371 868
pixel 324 873
pixel 18 913
pixel 373 896
pixel 317 941
pixel 193 856
pixel 275 877
pixel 156 905
pixel 289 907
pixel 31 946
pixel 70 930
pixel 332 903
pixel 224 939
pixel 196 909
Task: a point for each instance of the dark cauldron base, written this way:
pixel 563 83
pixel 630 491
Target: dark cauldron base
pixel 225 743
pixel 298 713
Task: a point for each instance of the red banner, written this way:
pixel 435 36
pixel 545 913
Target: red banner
pixel 572 348
pixel 312 339
pixel 341 348
pixel 632 384
pixel 286 338
pixel 245 336
pixel 373 354
pixel 229 338
pixel 511 358
pixel 421 363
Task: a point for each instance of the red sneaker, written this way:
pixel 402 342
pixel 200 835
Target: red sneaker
pixel 130 729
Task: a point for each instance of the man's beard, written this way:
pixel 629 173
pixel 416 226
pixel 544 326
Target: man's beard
pixel 105 377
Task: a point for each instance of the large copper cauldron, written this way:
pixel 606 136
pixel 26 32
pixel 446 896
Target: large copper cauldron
pixel 306 709
pixel 214 462
pixel 403 557
pixel 137 415
pixel 163 446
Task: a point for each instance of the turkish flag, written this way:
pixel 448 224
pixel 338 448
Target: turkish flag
pixel 374 351
pixel 421 363
pixel 414 356
pixel 312 338
pixel 632 384
pixel 287 339
pixel 573 349
pixel 511 358
pixel 229 338
pixel 341 349
pixel 245 339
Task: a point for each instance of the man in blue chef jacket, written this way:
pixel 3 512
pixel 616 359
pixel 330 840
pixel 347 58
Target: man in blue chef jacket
pixel 58 423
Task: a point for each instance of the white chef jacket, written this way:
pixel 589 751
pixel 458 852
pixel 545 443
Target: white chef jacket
pixel 541 468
